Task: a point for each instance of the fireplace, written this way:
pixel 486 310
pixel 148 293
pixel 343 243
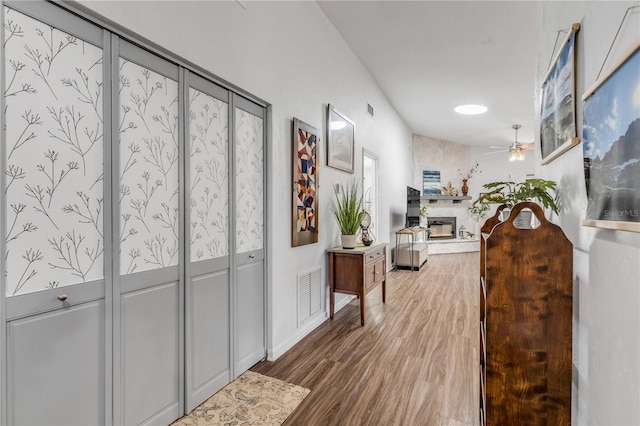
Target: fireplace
pixel 441 228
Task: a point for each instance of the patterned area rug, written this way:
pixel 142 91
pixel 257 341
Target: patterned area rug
pixel 251 399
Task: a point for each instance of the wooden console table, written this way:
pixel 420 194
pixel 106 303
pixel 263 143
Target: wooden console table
pixel 357 271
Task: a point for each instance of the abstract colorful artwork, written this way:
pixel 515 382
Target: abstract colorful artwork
pixel 611 147
pixel 305 181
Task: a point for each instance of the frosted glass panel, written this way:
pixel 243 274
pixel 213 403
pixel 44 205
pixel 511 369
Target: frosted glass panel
pixel 209 169
pixel 148 193
pixel 53 210
pixel 249 182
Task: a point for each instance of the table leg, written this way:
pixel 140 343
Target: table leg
pixel 384 290
pixel 362 299
pixel 331 287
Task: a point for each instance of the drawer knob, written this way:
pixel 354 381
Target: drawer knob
pixel 251 256
pixel 62 297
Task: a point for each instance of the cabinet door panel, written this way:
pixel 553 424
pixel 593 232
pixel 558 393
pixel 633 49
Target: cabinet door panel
pixel 250 316
pixel 150 347
pixel 208 308
pixel 56 367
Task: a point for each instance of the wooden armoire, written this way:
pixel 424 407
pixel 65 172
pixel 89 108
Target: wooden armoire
pixel 526 283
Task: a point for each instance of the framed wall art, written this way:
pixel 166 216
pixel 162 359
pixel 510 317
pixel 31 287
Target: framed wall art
pixel 340 140
pixel 431 182
pixel 558 107
pixel 305 184
pixel 611 147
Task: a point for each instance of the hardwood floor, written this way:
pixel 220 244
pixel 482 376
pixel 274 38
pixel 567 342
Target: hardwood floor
pixel 415 362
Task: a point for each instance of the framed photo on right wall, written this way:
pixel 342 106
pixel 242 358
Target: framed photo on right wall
pixel 611 146
pixel 558 108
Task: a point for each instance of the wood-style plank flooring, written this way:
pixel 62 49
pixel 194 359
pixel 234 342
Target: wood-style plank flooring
pixel 414 362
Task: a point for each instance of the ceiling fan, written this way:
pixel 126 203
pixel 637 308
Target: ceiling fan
pixel 516 149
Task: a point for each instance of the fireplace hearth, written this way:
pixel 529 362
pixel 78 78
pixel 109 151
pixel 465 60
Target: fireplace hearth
pixel 441 228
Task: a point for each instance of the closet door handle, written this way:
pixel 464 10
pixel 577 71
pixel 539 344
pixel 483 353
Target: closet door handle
pixel 62 297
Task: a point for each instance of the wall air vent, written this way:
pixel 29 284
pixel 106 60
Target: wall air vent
pixel 369 109
pixel 309 295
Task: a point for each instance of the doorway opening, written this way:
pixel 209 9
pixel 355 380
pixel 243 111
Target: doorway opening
pixel 370 189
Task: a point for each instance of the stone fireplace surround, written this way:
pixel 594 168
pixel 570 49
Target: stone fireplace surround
pixel 459 212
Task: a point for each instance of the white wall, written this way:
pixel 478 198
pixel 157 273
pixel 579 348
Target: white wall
pixel 606 379
pixel 288 54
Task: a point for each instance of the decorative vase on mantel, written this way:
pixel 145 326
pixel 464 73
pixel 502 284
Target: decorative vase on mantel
pixel 465 187
pixel 348 241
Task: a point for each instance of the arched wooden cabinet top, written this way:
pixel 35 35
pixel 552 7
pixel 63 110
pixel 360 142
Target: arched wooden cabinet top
pixel 525 321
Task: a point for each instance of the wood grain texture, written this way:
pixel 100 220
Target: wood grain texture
pixel 529 284
pixel 415 361
pixel 356 272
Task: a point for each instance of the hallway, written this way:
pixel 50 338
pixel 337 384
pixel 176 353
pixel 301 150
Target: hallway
pixel 413 363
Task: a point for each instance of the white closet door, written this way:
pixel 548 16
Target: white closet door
pixel 53 209
pixel 148 311
pixel 208 320
pixel 249 294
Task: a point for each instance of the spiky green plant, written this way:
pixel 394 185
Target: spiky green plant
pixel 347 208
pixel 511 193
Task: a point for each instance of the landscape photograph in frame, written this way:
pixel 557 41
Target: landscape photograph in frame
pixel 611 147
pixel 558 109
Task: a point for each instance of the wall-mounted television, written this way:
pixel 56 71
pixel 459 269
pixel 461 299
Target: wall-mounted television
pixel 413 207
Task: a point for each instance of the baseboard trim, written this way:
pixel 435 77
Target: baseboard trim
pixel 314 322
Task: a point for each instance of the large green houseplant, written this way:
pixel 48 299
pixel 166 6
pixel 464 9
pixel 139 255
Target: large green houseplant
pixel 348 211
pixel 511 193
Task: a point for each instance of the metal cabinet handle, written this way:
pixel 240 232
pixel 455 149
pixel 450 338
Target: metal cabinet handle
pixel 62 297
pixel 251 256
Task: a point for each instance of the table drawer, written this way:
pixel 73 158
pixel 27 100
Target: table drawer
pixel 374 256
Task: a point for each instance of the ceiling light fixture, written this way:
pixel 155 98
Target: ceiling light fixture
pixel 516 153
pixel 470 109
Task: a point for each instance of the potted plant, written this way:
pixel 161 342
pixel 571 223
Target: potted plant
pixel 478 209
pixel 348 211
pixel 511 193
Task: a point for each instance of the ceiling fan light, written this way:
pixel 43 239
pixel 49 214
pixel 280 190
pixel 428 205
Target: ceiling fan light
pixel 516 154
pixel 470 109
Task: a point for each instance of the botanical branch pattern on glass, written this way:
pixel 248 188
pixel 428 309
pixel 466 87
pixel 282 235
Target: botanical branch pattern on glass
pixel 209 169
pixel 53 157
pixel 249 182
pixel 148 190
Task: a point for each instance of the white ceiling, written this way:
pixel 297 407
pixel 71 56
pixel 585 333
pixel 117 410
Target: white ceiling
pixel 430 56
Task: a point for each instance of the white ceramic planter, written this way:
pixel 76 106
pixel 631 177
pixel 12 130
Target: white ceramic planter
pixel 348 241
